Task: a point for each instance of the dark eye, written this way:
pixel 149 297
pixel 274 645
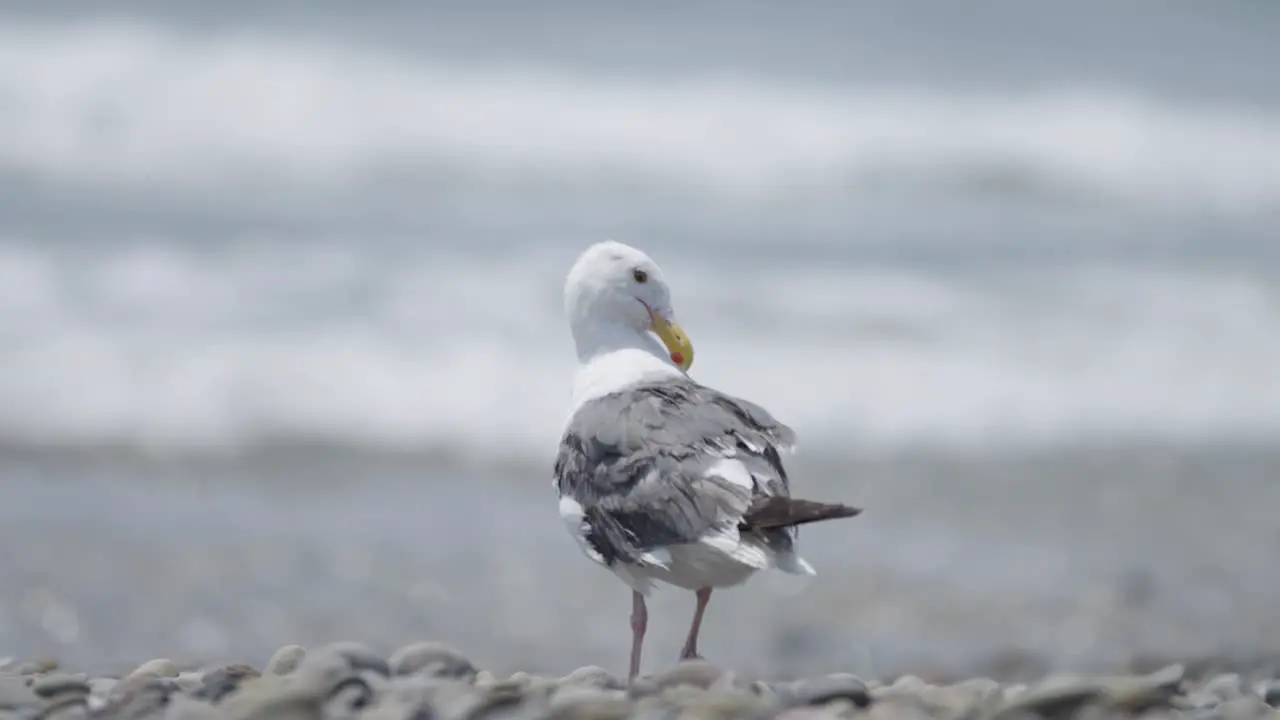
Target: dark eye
pixel 640 276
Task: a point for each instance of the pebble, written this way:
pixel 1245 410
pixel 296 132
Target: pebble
pixel 823 690
pixel 53 685
pixel 431 681
pixel 1227 686
pixel 214 685
pixel 285 660
pixel 1271 693
pixel 432 659
pixel 359 657
pixel 698 673
pixel 593 676
pixel 159 667
pixel 1245 707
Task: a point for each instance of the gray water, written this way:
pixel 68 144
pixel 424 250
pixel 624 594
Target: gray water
pixel 282 357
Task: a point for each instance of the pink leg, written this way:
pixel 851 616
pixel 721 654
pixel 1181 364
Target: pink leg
pixel 690 650
pixel 639 621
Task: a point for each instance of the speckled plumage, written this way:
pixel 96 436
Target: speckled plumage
pixel 674 463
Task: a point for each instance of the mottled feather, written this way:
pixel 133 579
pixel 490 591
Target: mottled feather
pixel 642 464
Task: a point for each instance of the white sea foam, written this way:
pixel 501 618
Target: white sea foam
pixel 152 345
pixel 146 106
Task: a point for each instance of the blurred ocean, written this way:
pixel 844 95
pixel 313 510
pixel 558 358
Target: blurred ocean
pixel 281 301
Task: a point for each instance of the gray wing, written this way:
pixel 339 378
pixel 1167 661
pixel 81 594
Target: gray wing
pixel 640 463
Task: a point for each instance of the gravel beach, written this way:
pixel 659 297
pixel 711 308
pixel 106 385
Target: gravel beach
pixel 980 602
pixel 431 680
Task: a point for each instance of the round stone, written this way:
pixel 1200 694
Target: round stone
pixel 698 673
pixel 1245 707
pixel 433 660
pixel 822 690
pixel 593 676
pixel 522 677
pixel 583 701
pixel 220 682
pixel 1200 700
pixel 189 682
pixel 359 657
pixel 285 660
pixel 159 667
pixel 1271 694
pixel 137 696
pixel 54 684
pixel 1226 686
pixel 37 667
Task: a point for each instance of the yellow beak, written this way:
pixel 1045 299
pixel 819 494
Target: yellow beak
pixel 671 335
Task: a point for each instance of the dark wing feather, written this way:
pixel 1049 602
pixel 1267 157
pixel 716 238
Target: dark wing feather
pixel 637 462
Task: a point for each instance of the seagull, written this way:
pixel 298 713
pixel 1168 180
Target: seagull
pixel 661 478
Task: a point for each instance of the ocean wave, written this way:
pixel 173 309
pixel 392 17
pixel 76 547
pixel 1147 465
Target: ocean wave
pixel 145 106
pixel 182 347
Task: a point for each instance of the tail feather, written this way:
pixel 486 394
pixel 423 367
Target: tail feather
pixel 778 512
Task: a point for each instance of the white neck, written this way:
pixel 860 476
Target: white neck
pixel 613 357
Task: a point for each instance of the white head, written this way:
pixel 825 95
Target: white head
pixel 614 296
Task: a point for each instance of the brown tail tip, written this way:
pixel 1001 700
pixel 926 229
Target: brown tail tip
pixel 779 512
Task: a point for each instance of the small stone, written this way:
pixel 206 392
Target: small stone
pixel 216 684
pixel 349 696
pixel 1200 700
pixel 762 689
pixel 1168 678
pixel 293 703
pixel 713 706
pixel 360 657
pixel 1226 686
pixel 137 696
pixel 159 667
pixel 909 682
pixel 521 677
pixel 55 684
pixel 37 667
pixel 593 676
pixel 698 673
pixel 583 702
pixel 439 697
pixel 726 683
pixel 433 660
pixel 1013 692
pixel 504 700
pixel 642 687
pixel 1135 695
pixel 285 660
pixel 189 682
pixel 1058 701
pixel 1271 694
pixel 979 692
pixel 822 690
pixel 321 672
pixel 1247 707
pixel 102 685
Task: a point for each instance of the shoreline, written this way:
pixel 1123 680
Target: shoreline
pixel 434 680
